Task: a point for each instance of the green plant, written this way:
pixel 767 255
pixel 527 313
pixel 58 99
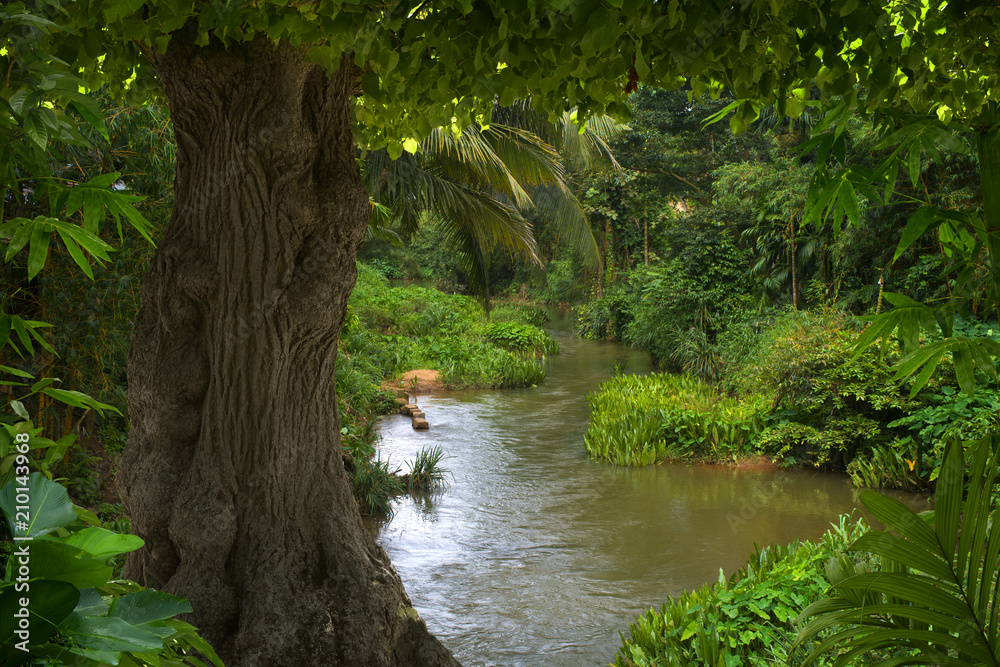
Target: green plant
pixel 390 271
pixel 641 419
pixel 935 600
pixel 426 472
pixel 948 414
pixel 831 444
pixel 77 615
pixel 745 619
pixel 898 466
pixel 519 312
pixel 375 485
pixel 521 337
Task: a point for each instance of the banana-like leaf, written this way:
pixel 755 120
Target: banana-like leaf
pixel 48 507
pixel 938 603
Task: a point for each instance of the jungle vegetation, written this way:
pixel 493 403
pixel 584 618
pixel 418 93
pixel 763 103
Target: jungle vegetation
pixel 804 223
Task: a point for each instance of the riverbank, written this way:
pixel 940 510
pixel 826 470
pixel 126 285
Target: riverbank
pixel 422 341
pixel 800 396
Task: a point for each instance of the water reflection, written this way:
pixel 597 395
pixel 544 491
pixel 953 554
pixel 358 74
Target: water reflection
pixel 536 555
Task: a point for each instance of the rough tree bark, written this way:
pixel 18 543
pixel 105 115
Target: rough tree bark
pixel 232 473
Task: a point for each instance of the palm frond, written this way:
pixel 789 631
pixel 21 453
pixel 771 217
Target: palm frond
pixel 470 159
pixel 583 150
pixel 528 158
pixel 557 204
pixel 379 225
pixel 589 149
pixel 940 596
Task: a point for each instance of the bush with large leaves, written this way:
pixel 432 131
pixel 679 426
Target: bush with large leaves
pixel 935 600
pixel 79 615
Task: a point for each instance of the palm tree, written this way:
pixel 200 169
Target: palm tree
pixel 479 182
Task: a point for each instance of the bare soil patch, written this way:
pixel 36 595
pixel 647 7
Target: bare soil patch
pixel 421 381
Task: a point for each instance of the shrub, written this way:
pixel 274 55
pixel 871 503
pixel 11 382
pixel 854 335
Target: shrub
pixel 521 337
pixel 747 619
pixel 828 404
pixel 639 420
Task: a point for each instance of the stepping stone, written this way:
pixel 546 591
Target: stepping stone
pixel 417 414
pixel 408 408
pixel 421 424
pixel 400 402
pixel 401 393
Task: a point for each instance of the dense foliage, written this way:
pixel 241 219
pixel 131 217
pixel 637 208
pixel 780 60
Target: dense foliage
pixel 402 328
pixel 796 393
pixel 748 618
pixel 80 614
pixel 638 420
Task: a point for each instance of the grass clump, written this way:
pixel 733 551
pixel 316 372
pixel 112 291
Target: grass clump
pixel 375 485
pixel 639 420
pixel 426 472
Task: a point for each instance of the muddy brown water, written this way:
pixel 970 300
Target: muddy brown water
pixel 535 555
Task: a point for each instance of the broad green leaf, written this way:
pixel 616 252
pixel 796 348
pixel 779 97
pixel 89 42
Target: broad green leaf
pixel 925 218
pixel 913 166
pixel 148 606
pixel 19 230
pixel 108 634
pixel 899 518
pixel 89 110
pixel 950 488
pixel 965 370
pixel 91 603
pixel 19 409
pixel 50 603
pixel 34 129
pixel 52 558
pixel 908 553
pixel 78 399
pixel 189 635
pixel 851 207
pixel 19 373
pixel 102 543
pixel 48 507
pixel 38 251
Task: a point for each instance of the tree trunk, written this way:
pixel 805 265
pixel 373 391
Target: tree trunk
pixel 988 145
pixel 233 472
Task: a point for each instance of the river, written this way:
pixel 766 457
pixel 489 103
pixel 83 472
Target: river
pixel 535 555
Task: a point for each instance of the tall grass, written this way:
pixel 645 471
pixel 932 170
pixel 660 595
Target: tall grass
pixel 375 485
pixel 426 472
pixel 639 420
